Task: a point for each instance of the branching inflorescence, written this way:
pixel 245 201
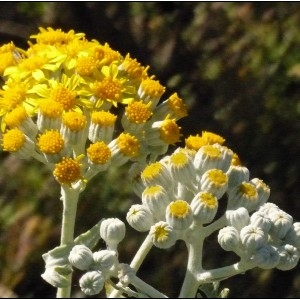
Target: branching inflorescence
pixel 80 107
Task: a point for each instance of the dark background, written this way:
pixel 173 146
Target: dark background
pixel 236 65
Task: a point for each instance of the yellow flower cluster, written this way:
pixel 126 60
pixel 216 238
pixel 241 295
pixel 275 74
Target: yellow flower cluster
pixel 59 99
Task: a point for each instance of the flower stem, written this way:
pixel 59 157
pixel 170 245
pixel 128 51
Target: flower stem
pixel 69 197
pixel 194 266
pixel 136 261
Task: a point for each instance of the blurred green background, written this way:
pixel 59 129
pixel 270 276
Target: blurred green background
pixel 236 65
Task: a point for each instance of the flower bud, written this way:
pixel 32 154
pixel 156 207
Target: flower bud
pixel 162 235
pixel 289 257
pixel 212 157
pixel 293 235
pixel 266 257
pixel 268 208
pixel 262 189
pixel 204 207
pixel 156 199
pixel 236 175
pixel 258 219
pixel 179 214
pixel 281 222
pixel 228 238
pixel 91 283
pixel 81 257
pixel 245 195
pixel 214 181
pixel 139 217
pixel 104 259
pixel 237 218
pixel 112 231
pixel 252 238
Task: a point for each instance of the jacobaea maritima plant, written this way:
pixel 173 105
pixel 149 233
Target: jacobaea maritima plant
pixel 80 107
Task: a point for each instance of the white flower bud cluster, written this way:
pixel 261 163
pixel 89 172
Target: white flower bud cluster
pixel 181 193
pixel 102 264
pixel 268 238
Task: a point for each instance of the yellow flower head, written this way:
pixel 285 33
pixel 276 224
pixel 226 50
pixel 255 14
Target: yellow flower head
pixel 128 144
pixel 138 112
pixel 50 142
pixel 50 36
pixel 15 117
pixel 67 171
pixel 170 131
pixel 74 120
pixel 99 153
pixel 64 96
pixel 13 140
pixel 103 118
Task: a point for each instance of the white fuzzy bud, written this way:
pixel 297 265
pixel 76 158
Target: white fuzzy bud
pixel 252 238
pixel 259 219
pixel 268 208
pixel 139 217
pixel 228 238
pixel 162 235
pixel 112 231
pixel 104 259
pixel 212 157
pixel 179 215
pixel 81 257
pixel 281 222
pixel 236 175
pixel 238 218
pixel 214 181
pixel 293 235
pixel 262 189
pixel 204 207
pixel 289 257
pixel 266 257
pixel 156 199
pixel 244 194
pixel 92 283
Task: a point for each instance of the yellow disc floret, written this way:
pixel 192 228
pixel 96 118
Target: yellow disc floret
pixel 50 108
pixel 169 131
pixel 99 153
pixel 177 106
pixel 13 140
pixel 103 118
pixel 217 177
pixel 211 151
pixel 194 142
pixel 138 112
pixel 161 233
pixel 152 88
pixel 12 97
pixel 212 138
pixel 209 200
pixel 179 159
pixel 248 190
pixel 152 170
pixel 235 160
pixel 128 144
pixel 133 68
pixel 64 96
pixel 50 36
pixel 67 171
pixel 153 190
pixel 108 89
pixel 16 117
pixel 179 208
pixel 74 120
pixel 86 65
pixel 50 142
